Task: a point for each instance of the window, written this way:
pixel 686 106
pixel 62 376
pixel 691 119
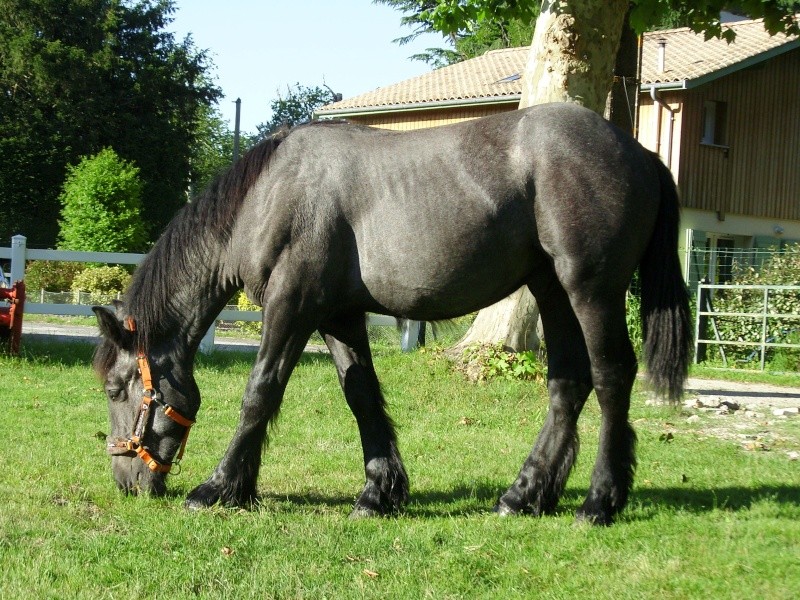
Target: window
pixel 715 120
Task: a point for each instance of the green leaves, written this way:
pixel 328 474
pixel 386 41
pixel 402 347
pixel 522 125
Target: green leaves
pixel 481 362
pixel 102 206
pixel 296 107
pixel 80 75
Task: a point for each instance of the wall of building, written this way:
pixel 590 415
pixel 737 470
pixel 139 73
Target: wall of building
pixel 422 119
pixel 756 170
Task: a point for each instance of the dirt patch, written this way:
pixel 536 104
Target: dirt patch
pixel 758 417
pixel 763 395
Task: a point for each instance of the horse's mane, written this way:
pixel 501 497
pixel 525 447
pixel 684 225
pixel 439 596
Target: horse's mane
pixel 192 241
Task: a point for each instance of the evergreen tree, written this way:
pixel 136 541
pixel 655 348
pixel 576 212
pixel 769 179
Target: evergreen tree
pixel 77 76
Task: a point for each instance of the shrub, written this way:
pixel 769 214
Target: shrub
pixel 51 275
pixel 243 303
pixel 103 284
pixel 633 318
pixel 481 362
pixel 101 206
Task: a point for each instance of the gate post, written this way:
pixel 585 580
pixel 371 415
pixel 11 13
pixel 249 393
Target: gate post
pixel 18 249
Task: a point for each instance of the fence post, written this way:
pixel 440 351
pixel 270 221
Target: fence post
pixel 207 343
pixel 18 249
pixel 412 336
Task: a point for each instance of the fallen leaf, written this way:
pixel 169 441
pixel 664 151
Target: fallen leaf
pixel 370 574
pixel 227 551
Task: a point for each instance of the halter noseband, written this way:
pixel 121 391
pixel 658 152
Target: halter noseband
pixel 135 442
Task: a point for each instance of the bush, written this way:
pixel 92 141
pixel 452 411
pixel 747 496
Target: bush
pixel 101 206
pixel 633 318
pixel 103 284
pixel 243 303
pixel 481 362
pixel 51 275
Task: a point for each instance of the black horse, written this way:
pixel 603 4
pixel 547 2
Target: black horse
pixel 331 220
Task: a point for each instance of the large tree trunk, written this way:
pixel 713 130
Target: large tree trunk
pixel 572 59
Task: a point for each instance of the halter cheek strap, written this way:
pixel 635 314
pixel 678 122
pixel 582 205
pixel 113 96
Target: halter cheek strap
pixel 135 442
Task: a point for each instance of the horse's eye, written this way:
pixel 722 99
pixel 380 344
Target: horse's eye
pixel 114 393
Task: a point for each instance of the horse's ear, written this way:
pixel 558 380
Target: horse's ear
pixel 111 327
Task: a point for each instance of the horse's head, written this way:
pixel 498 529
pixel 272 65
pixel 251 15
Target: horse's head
pixel 152 400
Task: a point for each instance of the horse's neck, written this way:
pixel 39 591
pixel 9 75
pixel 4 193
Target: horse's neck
pixel 190 300
pixel 202 297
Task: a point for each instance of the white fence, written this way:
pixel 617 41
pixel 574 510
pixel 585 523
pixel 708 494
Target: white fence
pixel 18 253
pixel 766 314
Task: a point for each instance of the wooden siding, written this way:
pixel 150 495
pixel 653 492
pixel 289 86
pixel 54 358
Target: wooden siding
pixel 654 131
pixel 422 119
pixel 759 171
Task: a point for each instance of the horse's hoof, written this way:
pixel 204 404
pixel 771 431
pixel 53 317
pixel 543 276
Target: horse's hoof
pixel 363 512
pixel 599 519
pixel 203 496
pixel 502 509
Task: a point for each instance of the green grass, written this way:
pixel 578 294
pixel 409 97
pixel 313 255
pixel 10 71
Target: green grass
pixel 707 519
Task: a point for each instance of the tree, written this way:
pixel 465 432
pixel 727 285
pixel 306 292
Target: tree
pixel 80 75
pixel 572 59
pixel 296 107
pixel 101 206
pixel 475 35
pixel 213 152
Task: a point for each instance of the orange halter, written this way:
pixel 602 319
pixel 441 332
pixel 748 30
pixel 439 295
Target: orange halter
pixel 135 442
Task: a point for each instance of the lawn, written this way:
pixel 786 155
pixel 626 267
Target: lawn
pixel 707 518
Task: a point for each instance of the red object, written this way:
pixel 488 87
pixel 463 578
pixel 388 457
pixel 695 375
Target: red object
pixel 11 316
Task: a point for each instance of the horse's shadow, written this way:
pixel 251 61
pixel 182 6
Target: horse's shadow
pixel 472 500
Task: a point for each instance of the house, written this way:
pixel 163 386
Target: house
pixel 724 117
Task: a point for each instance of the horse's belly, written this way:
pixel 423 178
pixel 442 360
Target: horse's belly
pixel 446 280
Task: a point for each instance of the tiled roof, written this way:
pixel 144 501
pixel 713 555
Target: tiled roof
pixel 494 77
pixel 689 58
pixel 475 79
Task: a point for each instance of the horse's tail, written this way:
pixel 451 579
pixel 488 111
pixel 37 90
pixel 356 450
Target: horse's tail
pixel 666 316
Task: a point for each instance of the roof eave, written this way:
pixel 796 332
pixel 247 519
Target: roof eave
pixel 343 113
pixel 724 72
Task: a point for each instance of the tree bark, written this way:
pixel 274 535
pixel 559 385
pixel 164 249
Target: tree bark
pixel 572 58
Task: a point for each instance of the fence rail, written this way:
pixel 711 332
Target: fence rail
pixel 18 254
pixel 706 314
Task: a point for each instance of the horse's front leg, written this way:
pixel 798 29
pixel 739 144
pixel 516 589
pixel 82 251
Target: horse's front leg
pixel 386 487
pixel 284 336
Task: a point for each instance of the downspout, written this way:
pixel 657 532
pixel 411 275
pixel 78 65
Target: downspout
pixel 661 104
pixel 662 47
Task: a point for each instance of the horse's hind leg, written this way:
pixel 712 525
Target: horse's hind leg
pixel 386 488
pixel 613 373
pixel 543 476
